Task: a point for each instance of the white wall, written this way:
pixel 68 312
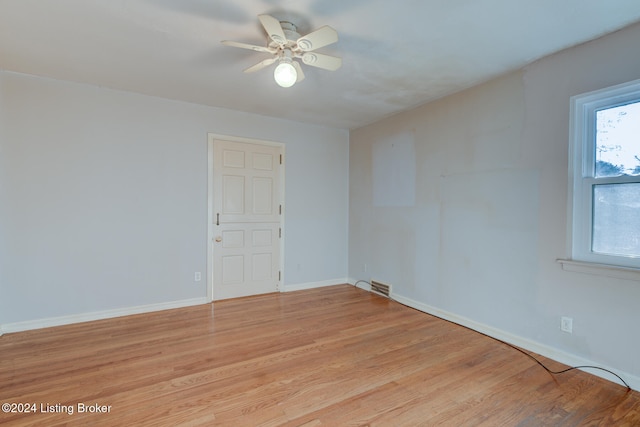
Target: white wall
pixel 489 220
pixel 103 198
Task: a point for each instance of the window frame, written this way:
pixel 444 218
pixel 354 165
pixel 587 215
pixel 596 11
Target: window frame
pixel 582 178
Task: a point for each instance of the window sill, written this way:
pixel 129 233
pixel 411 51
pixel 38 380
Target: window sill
pixel 626 273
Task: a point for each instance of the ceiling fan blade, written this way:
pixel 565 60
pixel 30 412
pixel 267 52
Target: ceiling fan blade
pixel 298 68
pixel 248 46
pixel 273 28
pixel 319 60
pixel 260 65
pixel 321 37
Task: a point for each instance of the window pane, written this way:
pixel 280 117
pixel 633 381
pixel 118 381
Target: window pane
pixel 618 141
pixel 616 219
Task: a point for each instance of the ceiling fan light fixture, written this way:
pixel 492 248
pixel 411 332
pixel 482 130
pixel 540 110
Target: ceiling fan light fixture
pixel 285 45
pixel 285 73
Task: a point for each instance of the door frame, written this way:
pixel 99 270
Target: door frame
pixel 211 208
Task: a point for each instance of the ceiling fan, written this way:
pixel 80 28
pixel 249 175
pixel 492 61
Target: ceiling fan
pixel 286 45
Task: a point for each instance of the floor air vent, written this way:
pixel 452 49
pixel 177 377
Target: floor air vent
pixel 380 288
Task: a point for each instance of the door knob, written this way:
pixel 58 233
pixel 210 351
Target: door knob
pixel 218 239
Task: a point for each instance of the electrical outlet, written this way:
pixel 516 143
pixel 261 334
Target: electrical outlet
pixel 197 276
pixel 566 324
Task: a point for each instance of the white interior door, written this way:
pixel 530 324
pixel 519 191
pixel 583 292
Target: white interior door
pixel 246 218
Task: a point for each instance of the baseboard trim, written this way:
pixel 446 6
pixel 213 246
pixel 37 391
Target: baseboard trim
pixel 312 285
pixel 536 347
pixel 97 315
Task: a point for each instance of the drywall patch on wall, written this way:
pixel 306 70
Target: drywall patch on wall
pixel 394 170
pixel 498 178
pixel 489 235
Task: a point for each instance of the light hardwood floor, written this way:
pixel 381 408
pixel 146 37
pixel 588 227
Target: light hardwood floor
pixel 335 356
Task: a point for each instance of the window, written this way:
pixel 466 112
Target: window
pixel 605 176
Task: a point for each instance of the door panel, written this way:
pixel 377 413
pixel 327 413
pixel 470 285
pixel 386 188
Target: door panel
pixel 246 247
pixel 262 238
pixel 262 196
pixel 246 182
pixel 246 260
pixel 233 195
pixel 232 270
pixel 263 161
pixel 233 159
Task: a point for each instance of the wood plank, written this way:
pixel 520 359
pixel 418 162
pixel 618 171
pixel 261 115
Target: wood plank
pixel 323 357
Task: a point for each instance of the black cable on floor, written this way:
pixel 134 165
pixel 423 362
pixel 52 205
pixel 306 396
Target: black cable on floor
pixel 511 345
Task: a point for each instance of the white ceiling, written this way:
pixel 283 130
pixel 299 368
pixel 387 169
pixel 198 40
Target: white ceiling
pixel 396 54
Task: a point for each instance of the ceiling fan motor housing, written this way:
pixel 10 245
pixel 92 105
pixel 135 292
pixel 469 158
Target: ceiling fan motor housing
pixel 290 31
pixel 293 38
